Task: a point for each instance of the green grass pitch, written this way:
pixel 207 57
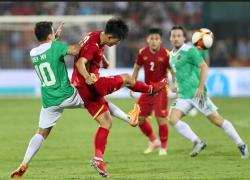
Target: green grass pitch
pixel 68 149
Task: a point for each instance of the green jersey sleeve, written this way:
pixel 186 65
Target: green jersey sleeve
pixel 194 56
pixel 203 53
pixel 61 48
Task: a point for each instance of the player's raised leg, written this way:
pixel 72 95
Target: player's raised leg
pixel 131 117
pixel 231 132
pixel 107 85
pixel 142 87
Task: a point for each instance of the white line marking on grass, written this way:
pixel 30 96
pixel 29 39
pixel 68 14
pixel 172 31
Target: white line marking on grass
pixel 243 123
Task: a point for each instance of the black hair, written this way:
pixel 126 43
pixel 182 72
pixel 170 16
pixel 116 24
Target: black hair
pixel 180 28
pixel 42 30
pixel 155 31
pixel 117 28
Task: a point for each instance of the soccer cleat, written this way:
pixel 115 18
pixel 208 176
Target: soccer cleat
pixel 158 86
pixel 152 146
pixel 243 151
pixel 19 171
pixel 134 115
pixel 198 147
pixel 163 152
pixel 100 167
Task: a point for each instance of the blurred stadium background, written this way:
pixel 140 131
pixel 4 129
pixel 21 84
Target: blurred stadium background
pixel 229 21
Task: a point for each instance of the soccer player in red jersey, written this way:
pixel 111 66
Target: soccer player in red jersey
pixel 93 88
pixel 155 60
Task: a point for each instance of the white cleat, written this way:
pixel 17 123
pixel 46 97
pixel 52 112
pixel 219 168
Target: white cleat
pixel 198 147
pixel 163 152
pixel 152 146
pixel 244 151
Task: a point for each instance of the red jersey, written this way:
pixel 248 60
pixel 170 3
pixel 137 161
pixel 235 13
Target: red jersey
pixel 93 51
pixel 155 65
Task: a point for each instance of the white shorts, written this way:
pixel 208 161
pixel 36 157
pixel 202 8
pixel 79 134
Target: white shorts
pixel 204 105
pixel 50 115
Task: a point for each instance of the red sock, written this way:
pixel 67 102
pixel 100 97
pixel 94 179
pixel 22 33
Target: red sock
pixel 141 87
pixel 100 141
pixel 163 134
pixel 147 130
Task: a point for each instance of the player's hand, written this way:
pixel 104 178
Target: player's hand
pixel 91 79
pixel 131 93
pixel 199 92
pixel 59 30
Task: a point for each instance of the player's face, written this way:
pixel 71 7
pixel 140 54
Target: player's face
pixel 112 41
pixel 154 41
pixel 177 38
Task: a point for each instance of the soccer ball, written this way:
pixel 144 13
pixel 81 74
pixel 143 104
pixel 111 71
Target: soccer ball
pixel 203 38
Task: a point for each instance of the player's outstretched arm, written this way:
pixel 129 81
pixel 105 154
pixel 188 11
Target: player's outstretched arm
pixel 136 71
pixel 134 76
pixel 173 88
pixel 203 77
pixel 59 30
pixel 74 49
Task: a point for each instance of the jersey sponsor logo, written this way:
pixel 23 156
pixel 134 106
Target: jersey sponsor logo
pixel 163 111
pixel 160 59
pixel 145 58
pixel 178 57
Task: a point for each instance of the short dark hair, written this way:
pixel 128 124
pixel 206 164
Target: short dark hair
pixel 155 30
pixel 42 30
pixel 180 28
pixel 117 28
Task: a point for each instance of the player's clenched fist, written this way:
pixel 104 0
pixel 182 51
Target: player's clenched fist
pixel 91 79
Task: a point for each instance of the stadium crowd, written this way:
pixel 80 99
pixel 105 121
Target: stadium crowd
pixel 15 45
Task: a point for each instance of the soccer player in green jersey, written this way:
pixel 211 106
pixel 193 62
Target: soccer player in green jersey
pixel 190 72
pixel 56 91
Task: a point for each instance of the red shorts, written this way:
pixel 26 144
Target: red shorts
pixel 93 95
pixel 157 103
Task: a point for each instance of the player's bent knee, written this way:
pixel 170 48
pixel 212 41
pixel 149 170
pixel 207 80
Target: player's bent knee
pixel 44 132
pixel 105 120
pixel 216 119
pixel 107 124
pixel 173 119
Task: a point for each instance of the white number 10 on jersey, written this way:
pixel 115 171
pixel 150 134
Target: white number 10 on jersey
pixel 46 80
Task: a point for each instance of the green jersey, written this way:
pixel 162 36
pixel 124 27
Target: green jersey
pixel 184 63
pixel 48 61
pixel 203 53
